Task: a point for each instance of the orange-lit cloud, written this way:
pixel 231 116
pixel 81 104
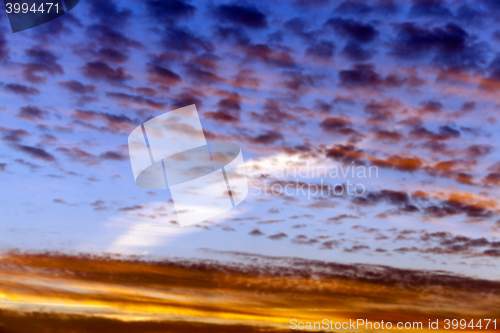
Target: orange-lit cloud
pixel 56 293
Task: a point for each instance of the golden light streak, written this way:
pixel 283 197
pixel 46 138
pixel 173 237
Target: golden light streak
pixel 133 291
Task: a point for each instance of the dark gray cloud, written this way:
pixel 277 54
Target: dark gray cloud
pixel 359 32
pixel 241 15
pixel 35 152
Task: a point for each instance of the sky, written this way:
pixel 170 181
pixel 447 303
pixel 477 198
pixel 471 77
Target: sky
pixel 403 93
pixel 111 294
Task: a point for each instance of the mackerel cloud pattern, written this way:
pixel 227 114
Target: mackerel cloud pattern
pixel 205 179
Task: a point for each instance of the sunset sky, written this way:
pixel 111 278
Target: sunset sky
pixel 408 88
pixel 60 293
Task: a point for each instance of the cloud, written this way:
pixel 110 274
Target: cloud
pixel 113 156
pixel 170 11
pixel 338 125
pixel 187 97
pixel 255 232
pixel 184 40
pixel 445 243
pixel 77 87
pixel 373 86
pixel 35 152
pixel 79 155
pixel 246 78
pixel 393 197
pixel 109 54
pixel 353 7
pixel 310 4
pixel 360 8
pixel 82 323
pixel 202 75
pixel 430 8
pixel 381 112
pixel 66 285
pixel 4 49
pixel 455 207
pixel 109 38
pixel 21 89
pixel 384 135
pixel 479 150
pixel 492 81
pixel 128 209
pixel 129 100
pixel 111 122
pixel 304 240
pixel 342 217
pixel 450 45
pixel 297 26
pixel 278 236
pixel 229 108
pixel 492 178
pixel 365 76
pixel 356 248
pixel 109 13
pixel 445 133
pixel 431 106
pixel 223 116
pixel 359 32
pixel 272 56
pixel 162 75
pixel 13 135
pixel 322 49
pixel 241 15
pixel 41 61
pixel 355 52
pixel 32 113
pixel 267 138
pixel 56 29
pixel 98 70
pixel 273 113
pixel 32 166
pixel 299 83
